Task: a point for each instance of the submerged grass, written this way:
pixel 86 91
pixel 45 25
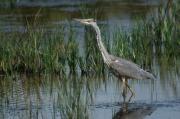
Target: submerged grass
pixel 73 104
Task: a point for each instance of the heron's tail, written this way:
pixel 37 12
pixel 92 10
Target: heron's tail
pixel 148 75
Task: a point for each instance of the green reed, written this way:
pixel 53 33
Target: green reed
pixel 155 37
pixel 38 51
pixel 31 52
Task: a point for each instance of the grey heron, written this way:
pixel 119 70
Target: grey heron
pixel 121 68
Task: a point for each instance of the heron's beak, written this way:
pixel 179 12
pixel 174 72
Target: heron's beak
pixel 80 20
pixel 77 19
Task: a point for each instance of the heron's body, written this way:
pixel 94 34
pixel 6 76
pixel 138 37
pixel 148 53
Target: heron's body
pixel 127 69
pixel 122 68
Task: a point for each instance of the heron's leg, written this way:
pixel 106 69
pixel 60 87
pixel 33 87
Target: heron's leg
pixel 124 91
pixel 130 98
pixel 124 94
pixel 132 92
pixel 125 107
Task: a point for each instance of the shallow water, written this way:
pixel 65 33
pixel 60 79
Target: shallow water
pixel 46 96
pixel 96 97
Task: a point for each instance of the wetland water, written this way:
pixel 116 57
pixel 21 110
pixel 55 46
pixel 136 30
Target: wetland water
pixel 96 96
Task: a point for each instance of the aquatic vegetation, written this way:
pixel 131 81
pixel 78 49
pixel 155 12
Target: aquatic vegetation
pixel 73 105
pixel 31 52
pixel 55 59
pixel 155 37
pixel 38 51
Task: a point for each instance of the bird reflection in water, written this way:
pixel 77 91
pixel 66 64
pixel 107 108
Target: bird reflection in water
pixel 130 110
pixel 134 111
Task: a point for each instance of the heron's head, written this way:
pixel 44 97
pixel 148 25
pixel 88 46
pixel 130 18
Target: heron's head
pixel 86 21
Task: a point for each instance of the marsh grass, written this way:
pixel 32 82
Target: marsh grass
pixel 156 37
pixel 31 52
pixel 38 51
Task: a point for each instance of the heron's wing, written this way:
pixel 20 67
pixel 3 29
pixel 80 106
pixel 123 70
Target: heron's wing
pixel 128 69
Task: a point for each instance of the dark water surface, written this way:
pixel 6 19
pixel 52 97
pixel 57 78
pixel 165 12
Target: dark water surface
pixel 48 14
pixel 95 97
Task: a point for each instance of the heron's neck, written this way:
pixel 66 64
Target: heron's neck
pixel 102 49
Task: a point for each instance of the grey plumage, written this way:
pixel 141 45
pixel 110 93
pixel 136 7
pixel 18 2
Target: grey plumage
pixel 128 69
